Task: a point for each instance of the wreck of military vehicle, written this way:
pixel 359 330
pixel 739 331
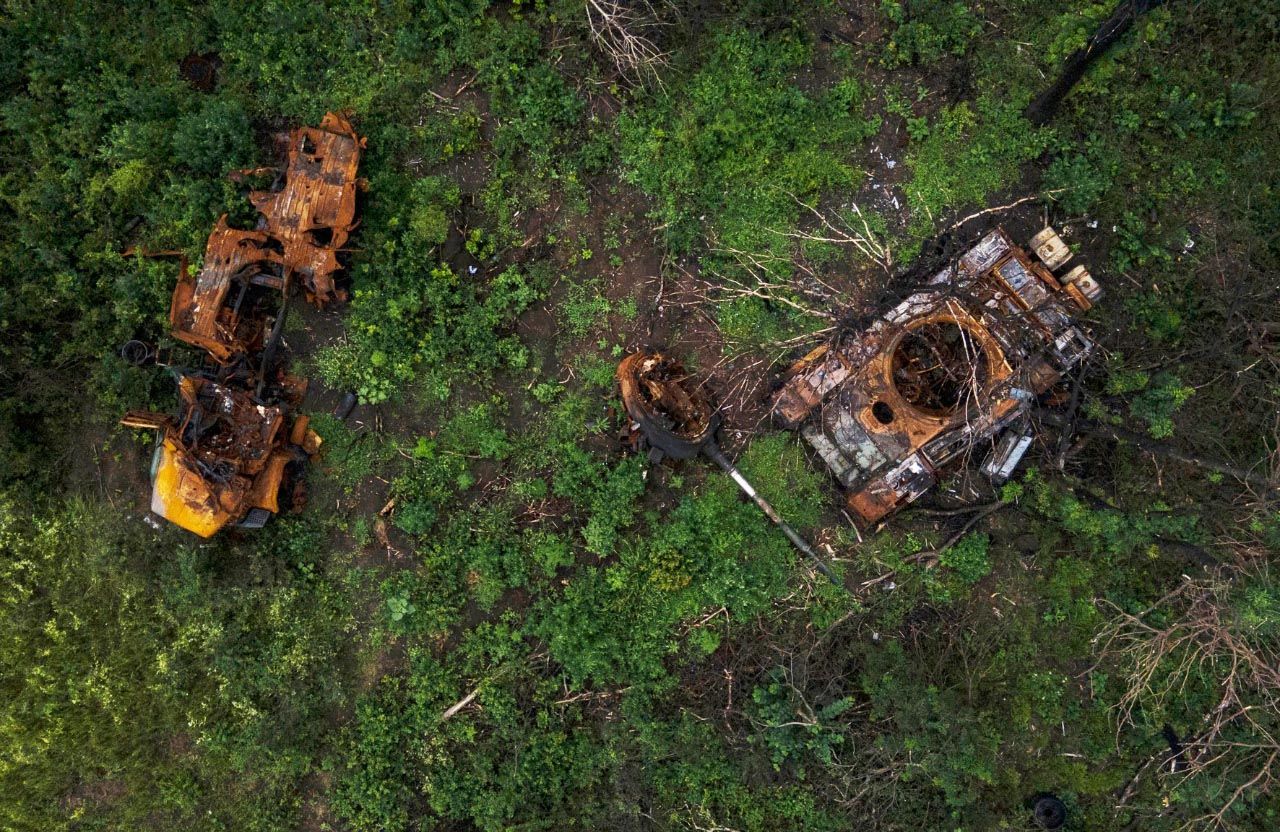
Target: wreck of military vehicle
pixel 951 370
pixel 235 451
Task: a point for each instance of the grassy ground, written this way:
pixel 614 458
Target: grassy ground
pixel 490 616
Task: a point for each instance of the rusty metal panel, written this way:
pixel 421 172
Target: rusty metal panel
pixel 1007 453
pixel 984 255
pixel 313 214
pixel 896 487
pixel 203 311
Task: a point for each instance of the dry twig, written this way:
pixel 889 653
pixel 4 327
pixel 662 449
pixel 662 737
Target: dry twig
pixel 624 32
pixel 1199 636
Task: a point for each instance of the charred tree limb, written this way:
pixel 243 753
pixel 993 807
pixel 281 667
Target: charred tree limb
pixel 1042 109
pixel 930 557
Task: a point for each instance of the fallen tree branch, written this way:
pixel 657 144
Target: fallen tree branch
pixel 929 557
pixel 1168 451
pixel 1000 208
pixel 621 31
pixel 453 709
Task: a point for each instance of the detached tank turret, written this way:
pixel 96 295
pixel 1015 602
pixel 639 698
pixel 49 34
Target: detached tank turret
pixel 951 370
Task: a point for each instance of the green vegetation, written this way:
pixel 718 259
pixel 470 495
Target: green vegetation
pixel 494 615
pixel 729 151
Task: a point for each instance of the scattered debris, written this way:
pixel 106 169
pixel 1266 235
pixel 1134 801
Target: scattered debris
pixel 1177 758
pixel 952 366
pixel 345 406
pixel 136 353
pixel 1049 812
pixel 1125 14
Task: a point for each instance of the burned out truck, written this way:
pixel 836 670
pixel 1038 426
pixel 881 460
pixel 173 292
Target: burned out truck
pixel 951 371
pixel 234 452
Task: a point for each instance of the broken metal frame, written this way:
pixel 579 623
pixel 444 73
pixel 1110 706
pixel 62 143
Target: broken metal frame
pixel 224 459
pixel 311 217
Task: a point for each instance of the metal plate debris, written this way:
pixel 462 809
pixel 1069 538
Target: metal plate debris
pixel 312 216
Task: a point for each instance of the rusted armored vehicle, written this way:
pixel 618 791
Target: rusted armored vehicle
pixel 234 453
pixel 950 371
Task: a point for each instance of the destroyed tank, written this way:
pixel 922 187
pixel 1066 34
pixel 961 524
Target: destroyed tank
pixel 949 372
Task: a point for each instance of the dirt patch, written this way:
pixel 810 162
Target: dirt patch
pixel 316 813
pixel 92 793
pixel 103 459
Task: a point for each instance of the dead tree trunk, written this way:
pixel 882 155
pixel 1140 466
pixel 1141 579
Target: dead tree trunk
pixel 1046 104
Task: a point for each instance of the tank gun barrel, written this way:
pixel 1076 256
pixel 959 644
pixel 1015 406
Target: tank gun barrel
pixel 713 452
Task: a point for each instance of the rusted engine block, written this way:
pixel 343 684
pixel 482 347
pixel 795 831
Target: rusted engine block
pixel 942 374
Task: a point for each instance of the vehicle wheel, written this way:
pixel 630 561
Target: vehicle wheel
pixel 1050 813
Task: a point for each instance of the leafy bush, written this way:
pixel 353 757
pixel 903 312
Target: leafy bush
pixel 968 558
pixel 159 692
pixel 440 468
pixel 969 153
pixel 613 506
pixel 927 30
pixel 429 317
pixel 1157 403
pixel 727 152
pixel 433 201
pixel 792 728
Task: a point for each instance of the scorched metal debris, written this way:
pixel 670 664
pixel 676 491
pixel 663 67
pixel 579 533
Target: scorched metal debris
pixel 235 451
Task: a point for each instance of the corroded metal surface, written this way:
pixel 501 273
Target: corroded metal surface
pixel 940 374
pixel 225 454
pixel 313 214
pixel 214 310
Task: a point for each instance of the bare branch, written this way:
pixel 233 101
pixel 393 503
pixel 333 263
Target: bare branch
pixel 1197 635
pixel 624 31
